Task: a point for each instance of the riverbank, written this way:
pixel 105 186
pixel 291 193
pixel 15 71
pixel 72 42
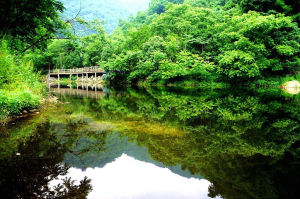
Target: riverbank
pixel 34 106
pixel 18 102
pixel 21 88
pixel 14 103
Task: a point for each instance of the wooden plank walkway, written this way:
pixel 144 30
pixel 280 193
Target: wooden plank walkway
pixel 84 72
pixel 75 71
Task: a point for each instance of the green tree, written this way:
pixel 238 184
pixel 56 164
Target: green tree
pixel 158 6
pixel 93 44
pixel 288 7
pixel 30 24
pixel 253 45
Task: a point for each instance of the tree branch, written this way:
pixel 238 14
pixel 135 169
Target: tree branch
pixel 42 38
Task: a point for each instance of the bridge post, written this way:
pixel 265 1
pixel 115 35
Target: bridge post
pixel 49 83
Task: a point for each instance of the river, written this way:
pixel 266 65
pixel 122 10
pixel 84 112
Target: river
pixel 155 143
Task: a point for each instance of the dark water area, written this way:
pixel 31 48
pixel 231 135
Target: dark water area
pixel 155 143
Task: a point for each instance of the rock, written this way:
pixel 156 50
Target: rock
pixel 291 87
pixel 53 99
pixel 291 84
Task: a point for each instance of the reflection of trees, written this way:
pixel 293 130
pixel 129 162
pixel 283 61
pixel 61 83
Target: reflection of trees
pixel 28 175
pixel 232 175
pixel 257 176
pixel 244 142
pixel 112 148
pixel 246 123
pixel 246 147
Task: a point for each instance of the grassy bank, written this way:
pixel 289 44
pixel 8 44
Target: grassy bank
pixel 20 87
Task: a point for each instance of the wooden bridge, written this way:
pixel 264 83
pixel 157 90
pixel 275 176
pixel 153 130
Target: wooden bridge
pixel 86 71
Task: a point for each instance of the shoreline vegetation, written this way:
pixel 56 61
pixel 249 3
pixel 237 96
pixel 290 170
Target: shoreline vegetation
pixel 21 88
pixel 33 107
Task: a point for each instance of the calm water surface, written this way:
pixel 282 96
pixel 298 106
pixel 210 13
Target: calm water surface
pixel 155 143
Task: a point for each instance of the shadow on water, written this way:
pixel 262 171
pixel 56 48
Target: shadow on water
pixel 244 142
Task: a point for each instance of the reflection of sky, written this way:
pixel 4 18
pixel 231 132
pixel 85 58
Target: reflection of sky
pixel 127 178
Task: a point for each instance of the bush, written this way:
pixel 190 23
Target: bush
pixel 20 88
pixel 255 46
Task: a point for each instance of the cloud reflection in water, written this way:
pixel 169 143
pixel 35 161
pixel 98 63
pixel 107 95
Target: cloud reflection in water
pixel 128 178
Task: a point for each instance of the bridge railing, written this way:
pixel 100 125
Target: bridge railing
pixel 78 70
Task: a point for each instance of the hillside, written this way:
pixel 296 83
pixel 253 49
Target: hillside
pixel 109 11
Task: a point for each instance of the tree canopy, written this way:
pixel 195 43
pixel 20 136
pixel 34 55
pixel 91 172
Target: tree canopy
pixel 30 23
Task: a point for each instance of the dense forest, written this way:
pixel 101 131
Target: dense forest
pixel 191 41
pixel 174 42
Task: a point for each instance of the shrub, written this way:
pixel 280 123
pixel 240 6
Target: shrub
pixel 20 87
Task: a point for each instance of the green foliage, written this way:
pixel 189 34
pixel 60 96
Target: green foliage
pixel 30 24
pixel 73 52
pixel 253 45
pixel 288 7
pixel 93 47
pixel 20 87
pixel 207 3
pixel 185 66
pixel 159 6
pixel 181 41
pixel 60 53
pixel 236 47
pixel 219 42
pixel 14 103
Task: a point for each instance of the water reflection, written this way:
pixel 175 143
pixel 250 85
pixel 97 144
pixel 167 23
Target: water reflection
pixel 93 91
pixel 126 177
pixel 27 170
pixel 244 142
